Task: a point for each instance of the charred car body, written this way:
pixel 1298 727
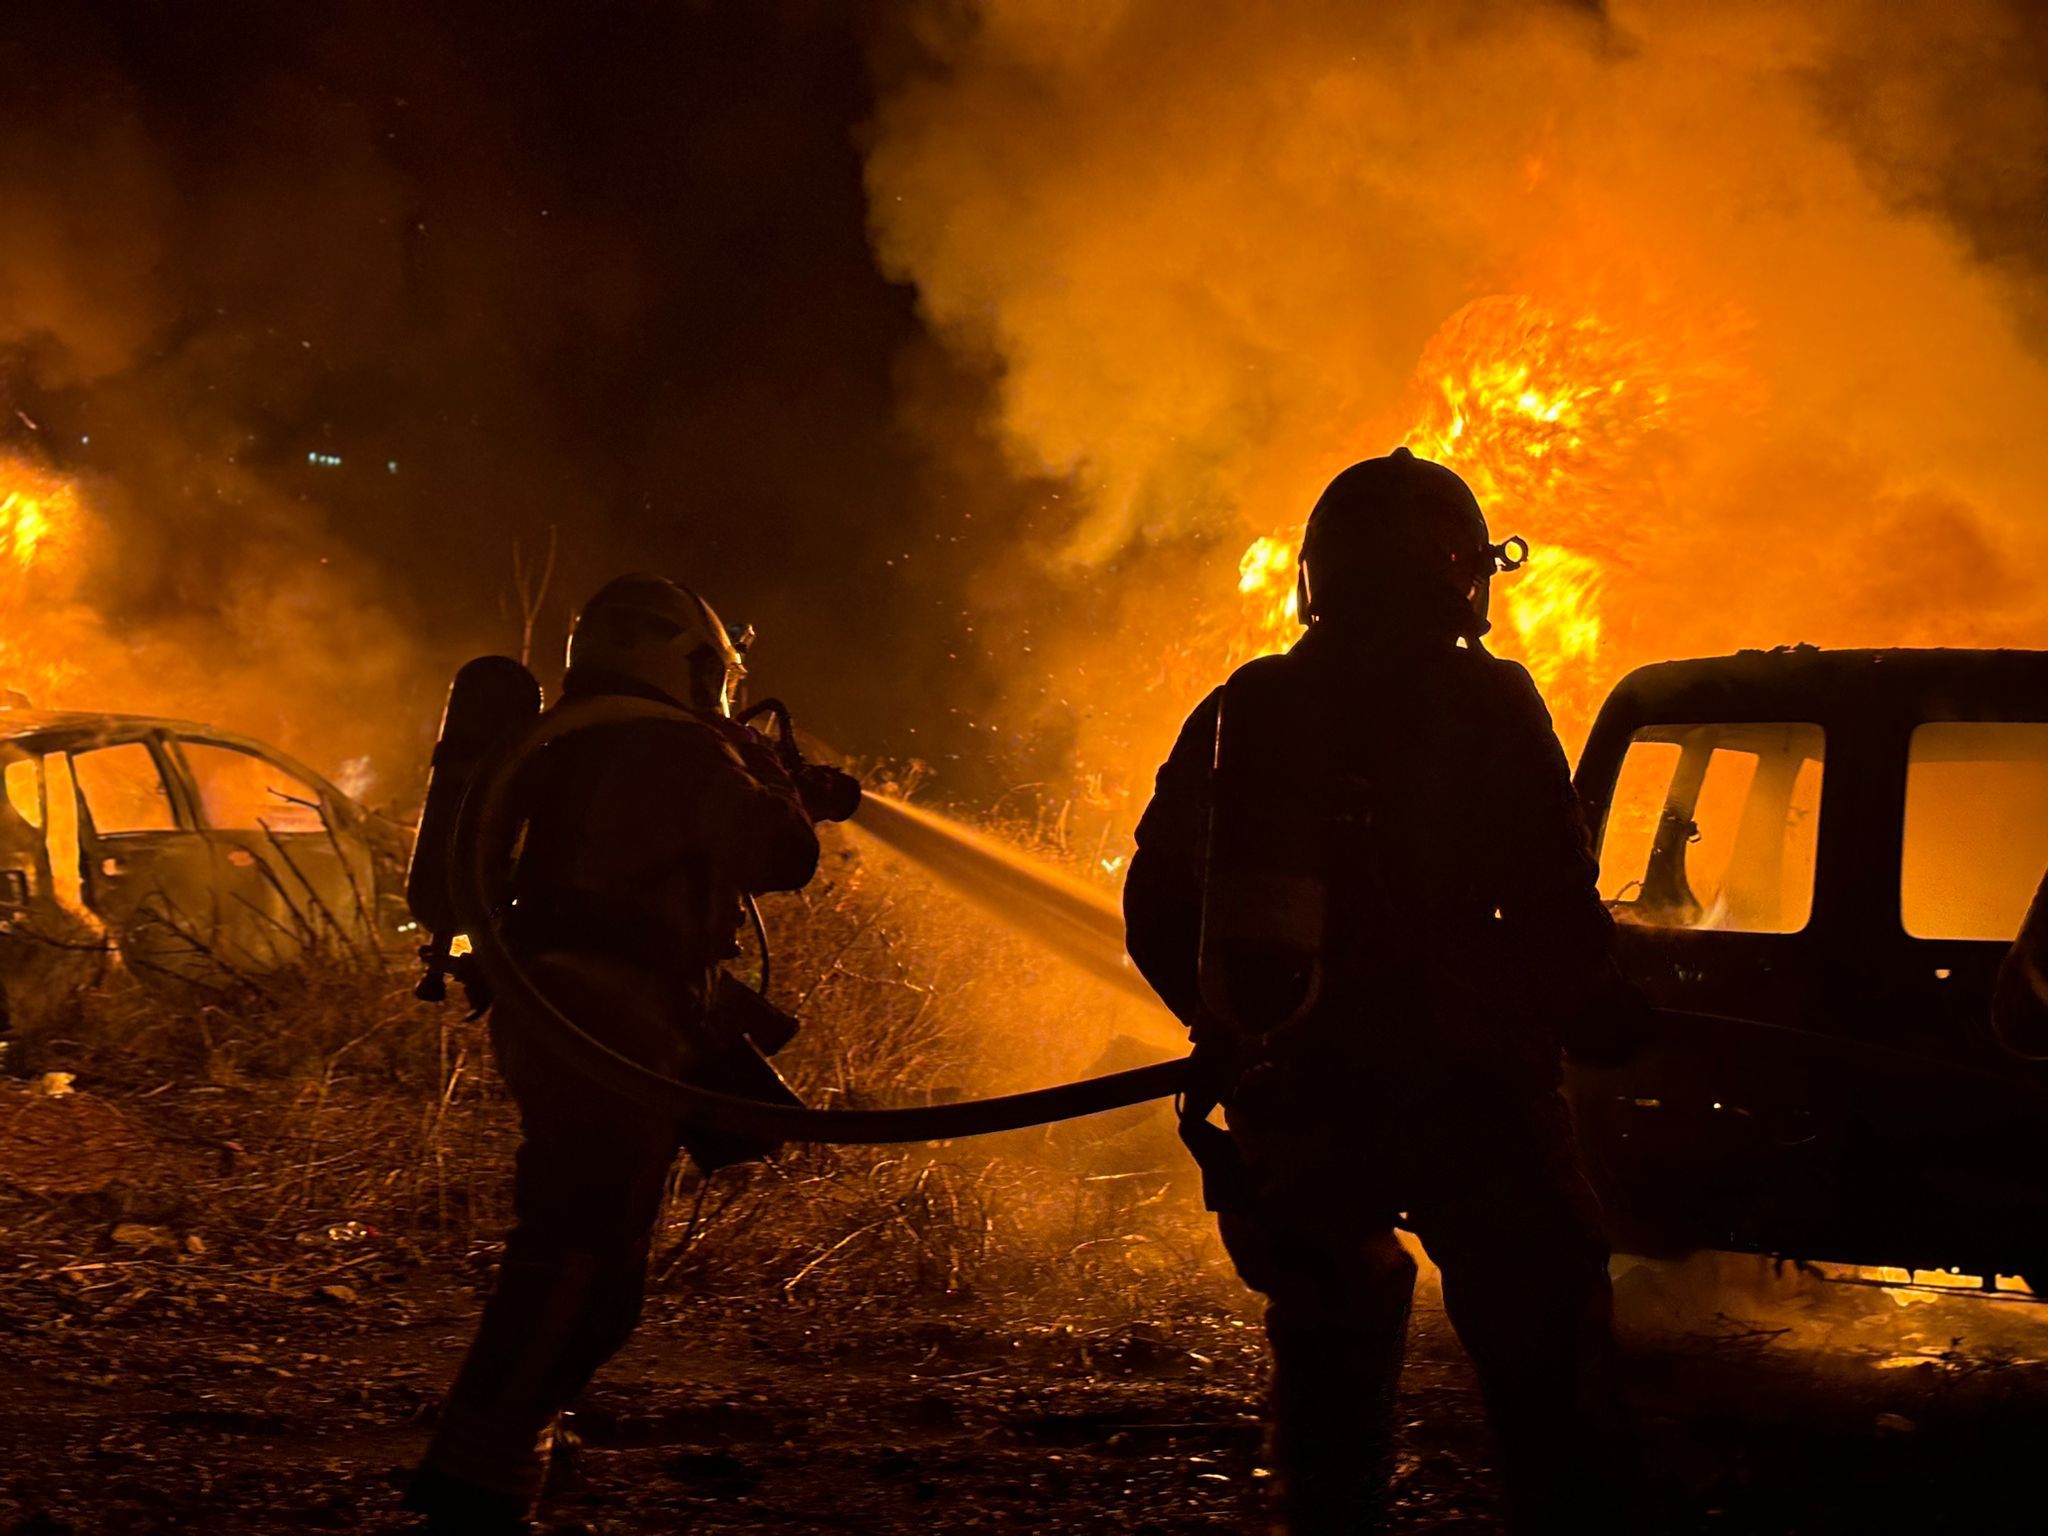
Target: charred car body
pixel 1820 860
pixel 193 853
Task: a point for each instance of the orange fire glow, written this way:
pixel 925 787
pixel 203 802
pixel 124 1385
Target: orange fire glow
pixel 1546 415
pixel 283 648
pixel 40 517
pixel 1715 345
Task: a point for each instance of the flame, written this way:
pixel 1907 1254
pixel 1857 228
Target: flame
pixel 35 506
pixel 1265 578
pixel 1553 613
pixel 41 518
pixel 274 653
pixel 25 522
pixel 1555 419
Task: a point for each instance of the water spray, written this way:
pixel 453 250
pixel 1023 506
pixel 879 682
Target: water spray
pixel 462 864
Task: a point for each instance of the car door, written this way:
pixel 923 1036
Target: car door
pixel 1953 1165
pixel 1722 1132
pixel 294 872
pixel 49 946
pixel 145 869
pixel 28 902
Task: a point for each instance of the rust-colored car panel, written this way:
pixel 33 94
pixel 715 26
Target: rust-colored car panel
pixel 188 852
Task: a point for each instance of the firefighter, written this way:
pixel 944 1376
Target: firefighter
pixel 642 836
pixel 1442 899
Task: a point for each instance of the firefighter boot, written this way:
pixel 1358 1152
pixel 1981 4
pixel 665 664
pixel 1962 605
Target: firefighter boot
pixel 1335 1384
pixel 482 1473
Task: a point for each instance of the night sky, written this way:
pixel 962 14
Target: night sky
pixel 602 267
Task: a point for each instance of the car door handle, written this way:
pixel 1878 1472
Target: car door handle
pixel 241 858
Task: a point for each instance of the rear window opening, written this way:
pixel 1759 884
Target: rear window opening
pixel 24 781
pixel 1976 832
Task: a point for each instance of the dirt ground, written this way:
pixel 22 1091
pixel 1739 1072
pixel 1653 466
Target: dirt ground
pixel 153 1388
pixel 194 1339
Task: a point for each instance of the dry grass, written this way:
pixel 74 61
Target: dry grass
pixel 327 1095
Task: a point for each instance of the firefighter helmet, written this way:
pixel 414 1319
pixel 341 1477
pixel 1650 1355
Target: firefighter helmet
pixel 1401 540
pixel 663 636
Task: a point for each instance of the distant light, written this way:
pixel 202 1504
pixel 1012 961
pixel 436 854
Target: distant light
pixel 325 460
pixel 85 437
pixel 391 466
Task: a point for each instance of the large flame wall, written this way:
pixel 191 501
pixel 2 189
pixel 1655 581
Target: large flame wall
pixel 1716 305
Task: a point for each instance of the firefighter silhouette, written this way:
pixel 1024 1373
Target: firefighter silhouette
pixel 1364 883
pixel 642 836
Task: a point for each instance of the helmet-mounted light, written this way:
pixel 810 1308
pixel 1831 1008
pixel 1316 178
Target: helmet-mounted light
pixel 1510 554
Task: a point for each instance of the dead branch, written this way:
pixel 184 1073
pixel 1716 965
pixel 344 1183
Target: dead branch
pixel 530 586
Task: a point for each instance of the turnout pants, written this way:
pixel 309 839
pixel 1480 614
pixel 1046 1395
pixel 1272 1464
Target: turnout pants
pixel 588 1188
pixel 1489 1181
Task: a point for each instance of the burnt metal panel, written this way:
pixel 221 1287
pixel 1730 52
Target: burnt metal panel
pixel 1837 1092
pixel 191 902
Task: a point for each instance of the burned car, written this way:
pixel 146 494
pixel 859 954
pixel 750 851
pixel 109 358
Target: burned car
pixel 1819 860
pixel 191 854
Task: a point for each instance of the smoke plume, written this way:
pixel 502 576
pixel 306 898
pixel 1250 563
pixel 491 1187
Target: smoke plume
pixel 1769 274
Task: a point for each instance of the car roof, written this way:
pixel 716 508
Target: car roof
pixel 66 730
pixel 20 724
pixel 1810 679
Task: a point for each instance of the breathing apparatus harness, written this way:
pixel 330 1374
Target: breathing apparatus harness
pixel 492 732
pixel 1264 915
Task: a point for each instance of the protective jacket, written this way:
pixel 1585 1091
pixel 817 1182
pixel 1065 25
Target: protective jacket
pixel 1464 912
pixel 641 839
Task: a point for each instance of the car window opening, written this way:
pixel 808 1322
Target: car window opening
pixel 1976 828
pixel 241 792
pixel 124 790
pixel 1715 827
pixel 24 779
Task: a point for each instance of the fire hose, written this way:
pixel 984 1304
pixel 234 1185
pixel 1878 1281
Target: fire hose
pixel 1708 1048
pixel 484 831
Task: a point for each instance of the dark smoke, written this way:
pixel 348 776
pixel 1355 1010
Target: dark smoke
pixel 598 269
